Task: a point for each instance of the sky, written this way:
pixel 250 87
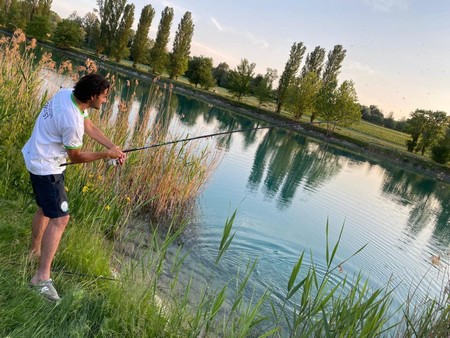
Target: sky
pixel 398 51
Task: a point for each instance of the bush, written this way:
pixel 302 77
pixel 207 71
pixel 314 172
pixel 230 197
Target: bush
pixel 441 153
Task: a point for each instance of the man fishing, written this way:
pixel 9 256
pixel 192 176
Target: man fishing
pixel 58 134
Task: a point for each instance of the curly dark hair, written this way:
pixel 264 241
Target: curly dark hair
pixel 90 85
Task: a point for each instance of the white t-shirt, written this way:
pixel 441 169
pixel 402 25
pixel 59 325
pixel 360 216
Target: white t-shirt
pixel 59 126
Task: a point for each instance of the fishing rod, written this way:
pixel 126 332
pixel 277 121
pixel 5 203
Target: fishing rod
pixel 114 161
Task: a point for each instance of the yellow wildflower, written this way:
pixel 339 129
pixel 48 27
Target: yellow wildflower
pixel 128 199
pixel 85 189
pixel 66 189
pixel 107 207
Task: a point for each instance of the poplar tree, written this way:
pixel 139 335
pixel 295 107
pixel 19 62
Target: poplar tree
pixel 333 65
pixel 91 26
pixel 291 68
pixel 158 54
pixel 314 61
pixel 139 47
pixel 178 59
pixel 110 13
pixel 120 48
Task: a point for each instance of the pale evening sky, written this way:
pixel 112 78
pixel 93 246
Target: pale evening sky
pixel 398 51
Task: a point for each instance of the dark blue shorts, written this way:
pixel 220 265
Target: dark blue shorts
pixel 50 194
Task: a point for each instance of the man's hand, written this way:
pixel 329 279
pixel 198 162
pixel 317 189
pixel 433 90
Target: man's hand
pixel 116 153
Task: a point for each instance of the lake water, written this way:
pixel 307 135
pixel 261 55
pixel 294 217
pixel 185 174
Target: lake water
pixel 286 187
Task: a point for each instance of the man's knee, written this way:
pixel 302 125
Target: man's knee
pixel 61 222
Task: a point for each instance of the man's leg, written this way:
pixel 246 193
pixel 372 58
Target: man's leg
pixel 49 245
pixel 39 224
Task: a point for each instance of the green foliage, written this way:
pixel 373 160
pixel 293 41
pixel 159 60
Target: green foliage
pixel 239 79
pixel 158 56
pixel 91 26
pixel 314 62
pixel 16 15
pixel 333 64
pixel 372 114
pixel 39 27
pixel 338 105
pixel 110 13
pixel 289 72
pixel 226 238
pixel 120 48
pixel 139 46
pixel 441 151
pixel 199 72
pixel 263 90
pixel 68 34
pixel 425 128
pixel 220 74
pixel 302 95
pixel 19 104
pixel 178 59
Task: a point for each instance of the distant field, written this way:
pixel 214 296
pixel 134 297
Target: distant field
pixel 388 135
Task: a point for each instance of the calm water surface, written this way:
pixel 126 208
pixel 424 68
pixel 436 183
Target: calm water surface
pixel 286 187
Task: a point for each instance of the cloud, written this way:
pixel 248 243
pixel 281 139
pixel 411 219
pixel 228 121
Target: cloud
pixel 218 25
pixel 216 54
pixel 259 42
pixel 360 68
pixel 388 5
pixel 263 44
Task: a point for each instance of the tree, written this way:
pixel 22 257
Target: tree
pixel 302 95
pixel 338 105
pixel 39 27
pixel 314 61
pixel 91 26
pixel 158 56
pixel 263 90
pixel 178 59
pixel 140 42
pixel 240 78
pixel 333 65
pixel 389 121
pixel 414 126
pixel 220 73
pixel 16 17
pixel 110 12
pixel 433 129
pixel 68 34
pixel 120 48
pixel 372 114
pixel 199 72
pixel 441 151
pixel 290 69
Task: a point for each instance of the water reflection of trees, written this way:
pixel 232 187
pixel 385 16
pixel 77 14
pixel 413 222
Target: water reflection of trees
pixel 288 160
pixel 283 161
pixel 428 200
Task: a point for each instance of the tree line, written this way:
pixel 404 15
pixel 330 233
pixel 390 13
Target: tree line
pixel 311 90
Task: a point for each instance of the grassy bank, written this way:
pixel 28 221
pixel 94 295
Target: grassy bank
pixel 110 290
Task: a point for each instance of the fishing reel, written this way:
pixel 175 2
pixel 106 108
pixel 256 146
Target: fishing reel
pixel 114 162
